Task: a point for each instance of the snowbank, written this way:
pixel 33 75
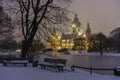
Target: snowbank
pixel 29 73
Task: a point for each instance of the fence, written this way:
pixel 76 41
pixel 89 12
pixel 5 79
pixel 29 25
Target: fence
pixel 91 68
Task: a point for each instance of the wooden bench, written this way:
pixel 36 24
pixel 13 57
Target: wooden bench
pixel 51 63
pixel 117 71
pixel 24 62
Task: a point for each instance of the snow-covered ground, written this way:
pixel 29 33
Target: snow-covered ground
pixel 30 73
pixel 19 72
pixel 10 53
pixel 97 53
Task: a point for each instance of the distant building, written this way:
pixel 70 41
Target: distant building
pixel 76 39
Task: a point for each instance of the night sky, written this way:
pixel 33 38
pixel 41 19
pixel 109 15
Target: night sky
pixel 103 15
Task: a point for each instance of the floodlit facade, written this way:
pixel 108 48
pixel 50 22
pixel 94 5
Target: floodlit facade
pixel 75 40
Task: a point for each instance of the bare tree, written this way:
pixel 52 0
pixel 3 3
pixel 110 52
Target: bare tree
pixel 6 27
pixel 39 17
pixel 115 37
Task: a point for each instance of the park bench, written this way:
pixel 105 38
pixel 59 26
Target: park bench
pixel 24 62
pixel 51 63
pixel 117 71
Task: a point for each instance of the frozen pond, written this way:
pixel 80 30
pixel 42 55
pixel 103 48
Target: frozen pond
pixel 96 61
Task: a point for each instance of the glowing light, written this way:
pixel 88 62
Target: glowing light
pixel 72 44
pixel 59 37
pixel 79 33
pixel 18 50
pixel 73 25
pixel 63 40
pixel 84 35
pixel 68 40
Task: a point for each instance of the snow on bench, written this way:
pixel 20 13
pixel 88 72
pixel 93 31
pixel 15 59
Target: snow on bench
pixel 24 62
pixel 53 63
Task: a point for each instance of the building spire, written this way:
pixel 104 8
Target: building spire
pixel 88 30
pixel 76 15
pixel 76 21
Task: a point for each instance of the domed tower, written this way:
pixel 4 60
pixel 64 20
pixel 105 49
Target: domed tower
pixel 76 26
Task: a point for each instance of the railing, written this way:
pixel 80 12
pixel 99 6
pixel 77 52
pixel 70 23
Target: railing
pixel 91 68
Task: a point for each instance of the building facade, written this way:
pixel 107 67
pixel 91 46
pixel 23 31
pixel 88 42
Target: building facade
pixel 75 40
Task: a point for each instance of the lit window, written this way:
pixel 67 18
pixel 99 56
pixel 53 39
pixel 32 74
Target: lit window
pixel 68 40
pixel 63 40
pixel 79 33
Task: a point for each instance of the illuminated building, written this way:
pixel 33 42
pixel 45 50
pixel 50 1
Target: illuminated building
pixel 76 39
pixel 54 41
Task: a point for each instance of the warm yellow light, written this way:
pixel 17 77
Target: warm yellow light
pixel 73 25
pixel 59 47
pixel 59 37
pixel 72 44
pixel 63 44
pixel 84 35
pixel 68 40
pixel 79 33
pixel 63 40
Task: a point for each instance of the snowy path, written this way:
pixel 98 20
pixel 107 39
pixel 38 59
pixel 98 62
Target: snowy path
pixel 29 73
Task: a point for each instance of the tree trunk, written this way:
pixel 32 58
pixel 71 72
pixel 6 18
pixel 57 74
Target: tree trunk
pixel 27 43
pixel 25 47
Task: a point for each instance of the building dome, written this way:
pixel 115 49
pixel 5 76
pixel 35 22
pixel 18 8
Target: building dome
pixel 76 26
pixel 76 21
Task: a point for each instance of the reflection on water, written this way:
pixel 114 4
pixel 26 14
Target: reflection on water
pixel 95 61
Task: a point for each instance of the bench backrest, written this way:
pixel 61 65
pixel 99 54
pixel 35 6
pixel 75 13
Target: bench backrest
pixel 56 61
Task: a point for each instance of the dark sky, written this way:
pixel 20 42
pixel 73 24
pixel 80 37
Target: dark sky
pixel 103 15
